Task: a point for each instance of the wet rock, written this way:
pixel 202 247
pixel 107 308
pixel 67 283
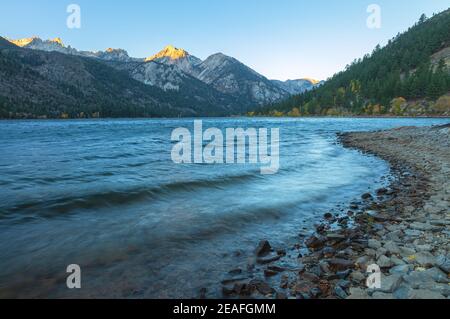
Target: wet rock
pixel 243 289
pixel 270 273
pixel 262 287
pixel 328 252
pixel 281 296
pixel 309 276
pixel 263 248
pixel 328 216
pixel 367 196
pixel 315 242
pixel 235 272
pixel 284 282
pixel 268 259
pixel 382 192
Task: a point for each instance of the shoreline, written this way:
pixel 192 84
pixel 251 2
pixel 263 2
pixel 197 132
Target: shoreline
pixel 403 229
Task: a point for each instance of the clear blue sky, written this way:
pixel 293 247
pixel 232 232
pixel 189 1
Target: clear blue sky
pixel 281 39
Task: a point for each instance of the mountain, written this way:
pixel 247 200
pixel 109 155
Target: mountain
pixel 35 83
pixel 410 76
pixel 297 86
pixel 177 57
pixel 57 45
pixel 228 75
pixel 219 84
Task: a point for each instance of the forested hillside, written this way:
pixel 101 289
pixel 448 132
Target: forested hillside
pixel 409 76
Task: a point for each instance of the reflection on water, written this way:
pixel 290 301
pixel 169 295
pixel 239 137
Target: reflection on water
pixel 105 194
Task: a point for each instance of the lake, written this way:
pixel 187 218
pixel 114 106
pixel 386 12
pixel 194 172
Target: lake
pixel 106 195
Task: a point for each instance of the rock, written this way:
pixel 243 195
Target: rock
pixel 443 263
pixel 328 252
pixel 340 293
pixel 437 275
pixel 391 247
pixel 406 252
pixel 424 227
pixel 314 242
pixel 357 277
pixel 397 261
pixel 309 276
pixel 268 259
pixel 390 283
pixel 374 244
pixel 235 272
pixel 401 269
pixel 424 294
pixel 384 262
pixel 425 259
pixel 263 248
pixel 270 273
pixel 418 279
pixel 303 288
pixel 243 289
pixel 382 191
pixel 339 264
pixel 380 252
pixel 413 233
pixel 382 295
pixel 280 296
pixel 262 287
pixel 328 216
pixel 367 196
pixel 345 284
pixel 358 293
pixel 343 274
pixel 325 287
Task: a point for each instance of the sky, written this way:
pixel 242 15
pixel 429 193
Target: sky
pixel 281 39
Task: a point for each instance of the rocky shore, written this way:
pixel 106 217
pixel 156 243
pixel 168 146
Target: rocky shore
pixel 403 229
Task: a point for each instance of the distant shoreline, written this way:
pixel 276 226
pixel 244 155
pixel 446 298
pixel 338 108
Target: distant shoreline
pixel 228 117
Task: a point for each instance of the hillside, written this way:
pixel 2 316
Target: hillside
pixel 409 76
pixel 218 86
pixel 36 83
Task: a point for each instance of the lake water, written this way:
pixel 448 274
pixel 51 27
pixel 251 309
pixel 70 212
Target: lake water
pixel 105 194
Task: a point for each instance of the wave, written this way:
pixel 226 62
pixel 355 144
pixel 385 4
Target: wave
pixel 64 205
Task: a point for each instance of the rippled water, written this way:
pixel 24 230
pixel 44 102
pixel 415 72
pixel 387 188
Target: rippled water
pixel 105 194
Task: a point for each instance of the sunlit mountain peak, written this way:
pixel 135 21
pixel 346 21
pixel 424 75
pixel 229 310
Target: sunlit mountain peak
pixel 170 52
